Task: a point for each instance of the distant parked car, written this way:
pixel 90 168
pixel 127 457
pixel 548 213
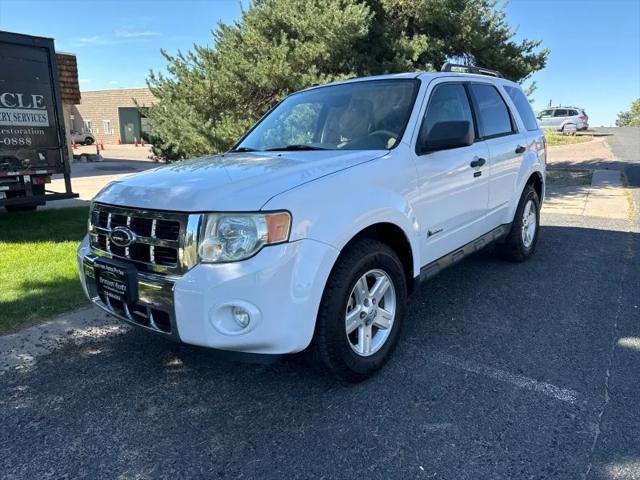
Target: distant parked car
pixel 83 138
pixel 558 118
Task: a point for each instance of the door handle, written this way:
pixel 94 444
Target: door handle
pixel 520 149
pixel 477 162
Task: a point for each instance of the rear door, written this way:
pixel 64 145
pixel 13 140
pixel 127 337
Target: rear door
pixel 498 129
pixel 559 116
pixel 453 195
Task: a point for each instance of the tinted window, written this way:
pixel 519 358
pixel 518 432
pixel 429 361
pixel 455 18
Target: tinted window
pixel 560 113
pixel 573 112
pixel 492 111
pixel 546 113
pixel 448 103
pixel 523 107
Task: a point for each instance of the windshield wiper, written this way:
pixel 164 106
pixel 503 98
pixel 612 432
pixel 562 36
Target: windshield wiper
pixel 294 147
pixel 243 149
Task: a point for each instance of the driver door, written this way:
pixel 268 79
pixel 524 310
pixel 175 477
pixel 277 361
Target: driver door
pixel 453 194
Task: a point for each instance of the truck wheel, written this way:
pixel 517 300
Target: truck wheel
pixel 523 237
pixel 88 141
pixel 361 311
pixel 28 207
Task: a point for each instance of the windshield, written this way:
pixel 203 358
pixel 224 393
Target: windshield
pixel 366 115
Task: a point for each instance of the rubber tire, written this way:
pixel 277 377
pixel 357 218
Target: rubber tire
pixel 88 141
pixel 512 247
pixel 37 190
pixel 329 348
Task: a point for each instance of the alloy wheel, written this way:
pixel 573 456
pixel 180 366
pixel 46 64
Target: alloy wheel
pixel 370 312
pixel 529 223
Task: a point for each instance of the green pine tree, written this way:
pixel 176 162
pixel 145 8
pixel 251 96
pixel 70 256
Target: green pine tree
pixel 212 95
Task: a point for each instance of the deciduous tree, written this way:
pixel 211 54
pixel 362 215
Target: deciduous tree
pixel 630 118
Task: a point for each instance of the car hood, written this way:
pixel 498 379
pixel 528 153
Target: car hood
pixel 228 182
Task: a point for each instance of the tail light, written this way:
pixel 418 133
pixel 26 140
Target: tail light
pixel 583 118
pixel 41 180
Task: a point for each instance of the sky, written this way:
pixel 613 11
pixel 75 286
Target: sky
pixel 594 44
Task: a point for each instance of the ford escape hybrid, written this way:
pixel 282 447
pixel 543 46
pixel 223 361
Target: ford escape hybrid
pixel 312 231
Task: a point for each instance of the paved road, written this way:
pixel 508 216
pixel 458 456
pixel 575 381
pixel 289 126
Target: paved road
pixel 625 145
pixel 504 371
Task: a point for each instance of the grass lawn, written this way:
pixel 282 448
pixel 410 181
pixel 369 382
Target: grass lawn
pixel 38 272
pixel 556 138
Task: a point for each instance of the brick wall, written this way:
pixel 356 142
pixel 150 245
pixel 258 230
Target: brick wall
pixel 68 78
pixel 100 105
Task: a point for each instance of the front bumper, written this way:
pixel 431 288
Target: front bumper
pixel 281 287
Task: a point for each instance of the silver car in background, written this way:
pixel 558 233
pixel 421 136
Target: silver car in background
pixel 83 138
pixel 564 118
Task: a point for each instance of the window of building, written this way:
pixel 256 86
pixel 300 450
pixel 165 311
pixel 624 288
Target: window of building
pixel 523 106
pixel 106 127
pixel 492 111
pixel 87 126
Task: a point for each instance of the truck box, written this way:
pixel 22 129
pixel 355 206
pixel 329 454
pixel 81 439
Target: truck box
pixel 32 135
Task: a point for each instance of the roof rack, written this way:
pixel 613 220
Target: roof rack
pixel 454 67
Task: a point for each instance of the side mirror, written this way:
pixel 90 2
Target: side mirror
pixel 446 135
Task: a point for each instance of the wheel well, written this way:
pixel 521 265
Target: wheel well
pixel 395 238
pixel 535 180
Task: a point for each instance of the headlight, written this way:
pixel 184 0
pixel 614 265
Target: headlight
pixel 229 237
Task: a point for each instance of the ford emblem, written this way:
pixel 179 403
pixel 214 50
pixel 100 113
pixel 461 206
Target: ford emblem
pixel 122 236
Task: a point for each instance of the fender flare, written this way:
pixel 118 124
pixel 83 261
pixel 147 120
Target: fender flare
pixel 530 166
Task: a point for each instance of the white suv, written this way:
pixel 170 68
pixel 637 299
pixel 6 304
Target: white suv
pixel 313 230
pixel 564 119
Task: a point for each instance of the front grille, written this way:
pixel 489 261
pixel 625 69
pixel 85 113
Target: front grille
pixel 143 315
pixel 164 242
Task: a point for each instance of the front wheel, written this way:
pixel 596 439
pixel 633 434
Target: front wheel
pixel 88 141
pixel 361 311
pixel 523 237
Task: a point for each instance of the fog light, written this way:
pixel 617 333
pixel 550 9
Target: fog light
pixel 241 316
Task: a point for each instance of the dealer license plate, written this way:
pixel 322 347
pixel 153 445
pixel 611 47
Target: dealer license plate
pixel 116 280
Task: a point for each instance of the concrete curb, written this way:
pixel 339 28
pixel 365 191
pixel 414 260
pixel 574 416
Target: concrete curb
pixel 606 197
